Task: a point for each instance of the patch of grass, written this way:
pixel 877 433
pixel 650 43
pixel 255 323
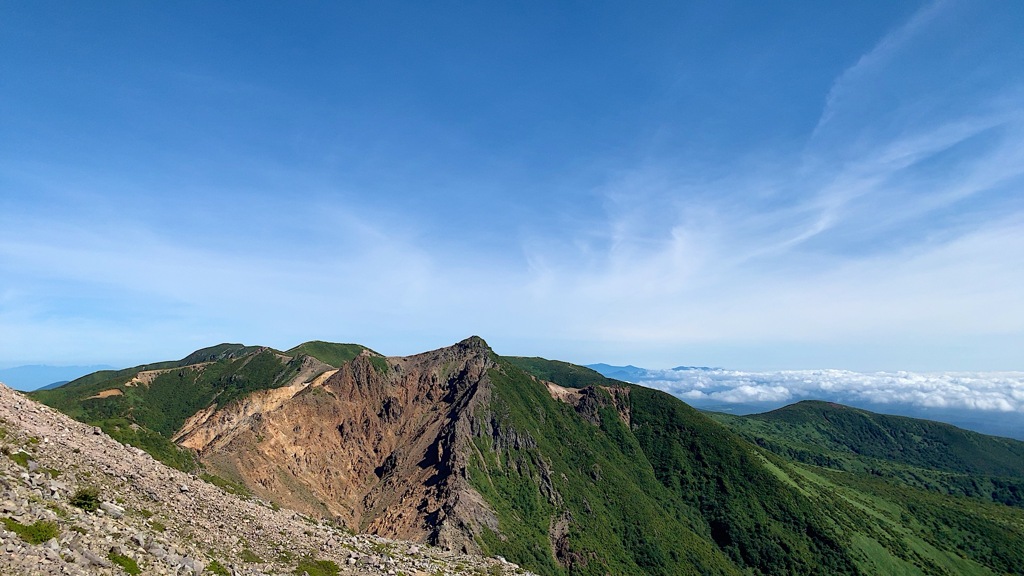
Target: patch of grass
pixel 87 499
pixel 328 352
pixel 215 567
pixel 157 526
pixel 380 364
pixel 19 458
pixel 57 510
pixel 249 556
pixel 35 533
pixel 314 567
pixel 284 557
pixel 226 485
pixel 561 373
pixel 129 564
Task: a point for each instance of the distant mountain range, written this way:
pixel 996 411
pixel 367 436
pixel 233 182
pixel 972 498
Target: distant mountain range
pixel 986 402
pixel 566 471
pixel 37 376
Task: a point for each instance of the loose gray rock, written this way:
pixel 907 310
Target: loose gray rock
pixel 114 510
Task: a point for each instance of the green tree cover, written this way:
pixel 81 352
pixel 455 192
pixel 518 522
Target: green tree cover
pixel 918 453
pixel 759 521
pixel 912 441
pixel 756 502
pixel 329 353
pixel 561 373
pixel 620 520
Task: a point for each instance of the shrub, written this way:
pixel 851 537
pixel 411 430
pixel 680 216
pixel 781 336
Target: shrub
pixel 35 533
pixel 87 499
pixel 314 567
pixel 129 564
pixel 216 567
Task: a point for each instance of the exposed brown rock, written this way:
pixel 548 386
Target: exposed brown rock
pixel 378 445
pixel 590 399
pixel 107 393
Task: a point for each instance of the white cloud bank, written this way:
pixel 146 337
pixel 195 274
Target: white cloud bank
pixel 991 391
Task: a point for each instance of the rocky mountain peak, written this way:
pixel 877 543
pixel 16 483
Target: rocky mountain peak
pixel 376 445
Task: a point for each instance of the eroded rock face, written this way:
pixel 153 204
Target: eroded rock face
pixel 378 445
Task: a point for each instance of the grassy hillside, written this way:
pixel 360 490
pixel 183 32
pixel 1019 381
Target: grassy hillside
pixel 561 373
pixel 917 453
pixel 676 494
pixel 329 353
pixel 912 441
pixel 542 464
pixel 144 406
pixel 763 500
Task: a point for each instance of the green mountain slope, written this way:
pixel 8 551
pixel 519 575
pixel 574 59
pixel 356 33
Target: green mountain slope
pixel 917 497
pixel 144 406
pixel 562 373
pixel 329 353
pixel 773 505
pixel 912 441
pixel 672 493
pixel 918 453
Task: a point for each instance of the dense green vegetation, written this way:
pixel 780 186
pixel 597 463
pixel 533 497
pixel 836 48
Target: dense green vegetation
pixel 913 495
pixel 542 463
pixel 87 498
pixel 753 516
pixel 126 562
pixel 918 453
pixel 35 533
pixel 314 567
pixel 561 373
pixel 674 493
pixel 329 353
pixel 912 441
pixel 778 504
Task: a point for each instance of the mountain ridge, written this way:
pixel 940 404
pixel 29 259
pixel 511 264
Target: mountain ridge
pixel 552 465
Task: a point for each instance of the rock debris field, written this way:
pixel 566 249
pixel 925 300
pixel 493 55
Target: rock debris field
pixel 74 501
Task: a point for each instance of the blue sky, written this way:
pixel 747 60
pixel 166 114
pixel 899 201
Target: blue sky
pixel 816 185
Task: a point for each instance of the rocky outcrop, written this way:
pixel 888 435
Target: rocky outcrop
pixel 379 445
pixel 73 501
pixel 212 426
pixel 590 400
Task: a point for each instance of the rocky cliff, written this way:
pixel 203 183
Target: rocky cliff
pixel 378 445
